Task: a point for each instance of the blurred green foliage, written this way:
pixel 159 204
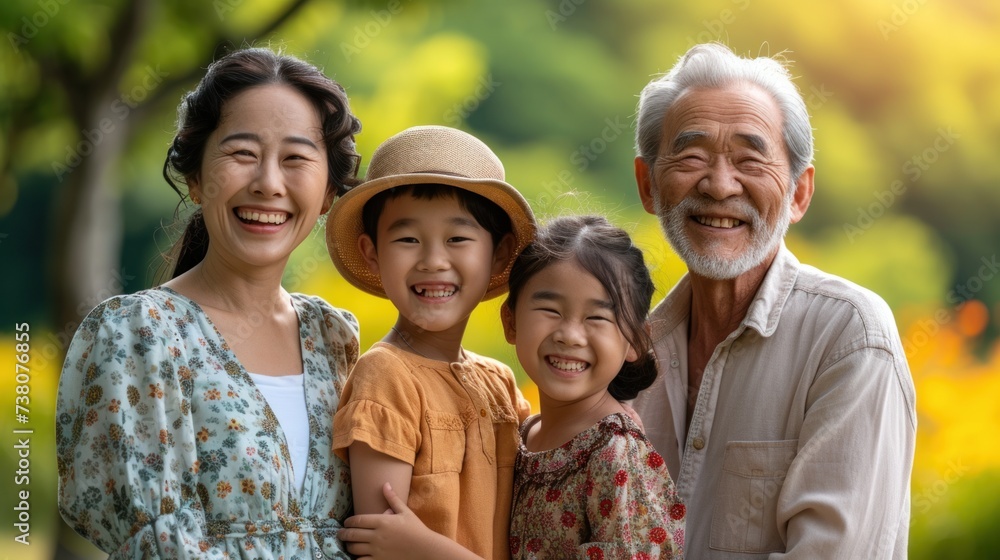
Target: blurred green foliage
pixel 902 93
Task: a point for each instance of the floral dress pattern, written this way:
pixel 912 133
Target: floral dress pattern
pixel 166 449
pixel 605 494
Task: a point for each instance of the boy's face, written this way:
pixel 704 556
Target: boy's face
pixel 434 259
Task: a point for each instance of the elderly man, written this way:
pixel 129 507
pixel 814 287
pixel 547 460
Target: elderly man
pixel 784 404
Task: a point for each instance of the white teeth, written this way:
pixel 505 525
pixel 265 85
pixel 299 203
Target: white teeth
pixel 427 292
pixel 262 217
pixel 567 365
pixel 718 222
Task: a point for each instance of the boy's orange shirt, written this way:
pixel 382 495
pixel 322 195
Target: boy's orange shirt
pixel 456 423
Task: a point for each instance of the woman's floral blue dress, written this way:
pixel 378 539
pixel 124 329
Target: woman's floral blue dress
pixel 166 448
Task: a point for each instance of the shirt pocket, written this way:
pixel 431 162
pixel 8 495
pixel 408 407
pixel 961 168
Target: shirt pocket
pixel 744 518
pixel 447 441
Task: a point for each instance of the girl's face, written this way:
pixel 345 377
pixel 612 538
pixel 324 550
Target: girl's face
pixel 566 335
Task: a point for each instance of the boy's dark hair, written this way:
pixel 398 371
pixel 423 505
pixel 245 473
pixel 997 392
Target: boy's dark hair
pixel 606 252
pixel 490 216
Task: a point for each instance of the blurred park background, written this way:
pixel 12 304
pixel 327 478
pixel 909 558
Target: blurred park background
pixel 905 100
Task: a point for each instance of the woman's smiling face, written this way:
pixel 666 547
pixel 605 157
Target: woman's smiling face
pixel 264 177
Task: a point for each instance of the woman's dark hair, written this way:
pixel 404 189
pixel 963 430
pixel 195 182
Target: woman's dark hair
pixel 200 112
pixel 606 252
pixel 490 216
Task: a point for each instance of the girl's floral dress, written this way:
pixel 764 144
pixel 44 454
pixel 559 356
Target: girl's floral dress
pixel 166 449
pixel 604 494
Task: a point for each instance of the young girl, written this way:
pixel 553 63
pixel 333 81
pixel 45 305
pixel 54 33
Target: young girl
pixel 434 229
pixel 588 483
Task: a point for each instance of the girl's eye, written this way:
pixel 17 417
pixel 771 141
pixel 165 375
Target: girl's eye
pixel 599 318
pixel 458 239
pixel 547 310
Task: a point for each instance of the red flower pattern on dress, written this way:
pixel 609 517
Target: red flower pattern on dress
pixel 605 507
pixel 568 518
pixel 600 495
pixel 654 460
pixel 621 477
pixel 677 511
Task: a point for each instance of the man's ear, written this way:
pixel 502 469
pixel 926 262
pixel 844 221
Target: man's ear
pixel 368 252
pixel 644 181
pixel 502 253
pixel 507 319
pixel 804 188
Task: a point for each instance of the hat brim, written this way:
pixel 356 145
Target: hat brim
pixel 344 226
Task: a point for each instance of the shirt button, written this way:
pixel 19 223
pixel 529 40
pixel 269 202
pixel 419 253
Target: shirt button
pixel 482 412
pixel 698 443
pixel 464 378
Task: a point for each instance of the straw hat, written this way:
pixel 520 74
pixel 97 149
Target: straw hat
pixel 422 155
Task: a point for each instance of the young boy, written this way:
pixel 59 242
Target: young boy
pixel 434 229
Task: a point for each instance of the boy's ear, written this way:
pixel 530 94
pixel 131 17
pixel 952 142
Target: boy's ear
pixel 507 319
pixel 368 252
pixel 502 253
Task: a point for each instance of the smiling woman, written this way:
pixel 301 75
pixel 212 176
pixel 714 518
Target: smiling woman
pixel 195 419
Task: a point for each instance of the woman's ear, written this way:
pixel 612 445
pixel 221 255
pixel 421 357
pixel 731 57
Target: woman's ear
pixel 502 253
pixel 328 201
pixel 368 252
pixel 507 319
pixel 194 188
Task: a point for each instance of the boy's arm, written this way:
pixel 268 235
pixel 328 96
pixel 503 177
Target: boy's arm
pixel 370 470
pixel 397 533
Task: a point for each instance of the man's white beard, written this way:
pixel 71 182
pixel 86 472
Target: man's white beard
pixel 763 240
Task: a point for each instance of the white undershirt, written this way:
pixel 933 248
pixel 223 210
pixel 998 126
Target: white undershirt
pixel 286 396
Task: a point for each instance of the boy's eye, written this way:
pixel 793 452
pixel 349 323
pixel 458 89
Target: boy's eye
pixel 406 240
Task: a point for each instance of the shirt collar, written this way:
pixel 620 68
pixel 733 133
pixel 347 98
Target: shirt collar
pixel 764 311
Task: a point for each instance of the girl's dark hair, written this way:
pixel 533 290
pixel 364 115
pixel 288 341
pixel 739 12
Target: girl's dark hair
pixel 200 112
pixel 490 216
pixel 606 252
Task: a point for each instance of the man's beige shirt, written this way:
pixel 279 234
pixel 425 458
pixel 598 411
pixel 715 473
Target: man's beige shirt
pixel 801 441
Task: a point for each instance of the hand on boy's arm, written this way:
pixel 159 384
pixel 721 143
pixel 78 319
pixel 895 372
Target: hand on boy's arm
pixel 397 533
